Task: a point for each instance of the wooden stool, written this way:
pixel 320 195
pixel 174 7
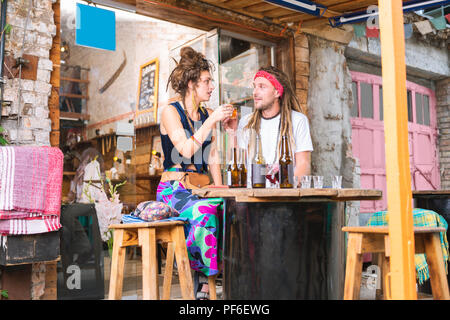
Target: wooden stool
pixel 376 240
pixel 146 235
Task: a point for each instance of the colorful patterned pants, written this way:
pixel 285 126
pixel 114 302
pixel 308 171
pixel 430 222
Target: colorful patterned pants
pixel 205 217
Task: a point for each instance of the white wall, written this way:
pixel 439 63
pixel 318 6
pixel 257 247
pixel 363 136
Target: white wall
pixel 432 62
pixel 143 39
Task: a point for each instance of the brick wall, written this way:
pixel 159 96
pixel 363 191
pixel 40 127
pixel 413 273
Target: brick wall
pixel 25 116
pixel 443 116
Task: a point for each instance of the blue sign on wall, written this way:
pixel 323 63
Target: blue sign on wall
pixel 95 27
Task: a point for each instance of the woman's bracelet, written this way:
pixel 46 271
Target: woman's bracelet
pixel 196 141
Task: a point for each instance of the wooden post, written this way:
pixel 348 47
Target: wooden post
pixel 55 57
pixel 402 275
pixel 51 279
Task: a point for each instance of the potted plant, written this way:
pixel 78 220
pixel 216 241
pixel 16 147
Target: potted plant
pixel 3 141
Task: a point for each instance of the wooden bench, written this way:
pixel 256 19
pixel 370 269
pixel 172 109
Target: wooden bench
pixel 146 235
pixel 376 240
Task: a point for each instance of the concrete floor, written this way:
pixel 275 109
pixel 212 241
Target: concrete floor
pixel 132 284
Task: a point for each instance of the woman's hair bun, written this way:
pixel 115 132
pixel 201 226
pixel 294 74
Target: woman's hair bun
pixel 187 53
pixel 188 69
pixel 190 57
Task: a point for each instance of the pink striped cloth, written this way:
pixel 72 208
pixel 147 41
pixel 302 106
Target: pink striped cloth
pixel 30 189
pixel 5 214
pixel 29 225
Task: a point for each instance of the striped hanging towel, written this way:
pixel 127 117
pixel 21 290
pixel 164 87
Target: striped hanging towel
pixel 30 189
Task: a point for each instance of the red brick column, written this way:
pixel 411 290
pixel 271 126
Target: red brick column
pixel 443 118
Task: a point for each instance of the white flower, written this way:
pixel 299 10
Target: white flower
pixel 109 210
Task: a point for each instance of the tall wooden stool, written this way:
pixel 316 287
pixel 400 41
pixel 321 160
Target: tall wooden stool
pixel 376 240
pixel 146 235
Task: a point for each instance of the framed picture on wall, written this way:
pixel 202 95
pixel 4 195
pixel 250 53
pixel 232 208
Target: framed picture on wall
pixel 147 101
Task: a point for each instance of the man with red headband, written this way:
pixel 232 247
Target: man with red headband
pixel 277 112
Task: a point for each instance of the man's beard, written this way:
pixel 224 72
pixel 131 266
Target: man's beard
pixel 265 106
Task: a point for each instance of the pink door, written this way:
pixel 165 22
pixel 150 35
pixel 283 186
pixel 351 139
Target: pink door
pixel 368 136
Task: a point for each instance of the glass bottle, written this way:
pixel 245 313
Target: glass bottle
pixel 242 169
pixel 228 174
pixel 233 170
pixel 258 166
pixel 286 166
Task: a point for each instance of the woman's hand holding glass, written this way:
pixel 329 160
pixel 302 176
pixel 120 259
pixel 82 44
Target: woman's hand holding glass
pixel 223 112
pixel 230 123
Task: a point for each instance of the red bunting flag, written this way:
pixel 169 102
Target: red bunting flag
pixel 447 16
pixel 372 32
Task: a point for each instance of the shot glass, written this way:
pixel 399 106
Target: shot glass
pixel 336 182
pixel 305 182
pixel 318 182
pixel 296 182
pixel 234 115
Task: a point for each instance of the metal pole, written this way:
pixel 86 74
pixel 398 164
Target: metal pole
pixel 4 5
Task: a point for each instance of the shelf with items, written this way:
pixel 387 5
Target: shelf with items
pixel 74 93
pixel 73 116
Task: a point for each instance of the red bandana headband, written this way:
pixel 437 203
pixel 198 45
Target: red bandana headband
pixel 272 80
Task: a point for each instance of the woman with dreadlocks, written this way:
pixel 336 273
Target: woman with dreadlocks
pixel 189 155
pixel 277 112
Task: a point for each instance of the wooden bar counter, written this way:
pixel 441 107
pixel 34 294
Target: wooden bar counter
pixel 284 243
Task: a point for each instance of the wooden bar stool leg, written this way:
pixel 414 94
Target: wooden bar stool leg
pixel 184 269
pixel 212 287
pixel 117 266
pixel 383 264
pixel 147 241
pixel 435 261
pixel 168 272
pixel 386 270
pixel 378 259
pixel 353 268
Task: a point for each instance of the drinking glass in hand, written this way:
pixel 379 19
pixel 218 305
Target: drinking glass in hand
pixel 234 115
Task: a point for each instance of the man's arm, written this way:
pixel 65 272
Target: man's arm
pixel 302 164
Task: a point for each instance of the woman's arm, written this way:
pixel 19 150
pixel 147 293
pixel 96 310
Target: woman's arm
pixel 187 147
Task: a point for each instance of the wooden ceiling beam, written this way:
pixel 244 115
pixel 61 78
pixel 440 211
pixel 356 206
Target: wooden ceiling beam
pixel 254 18
pixel 327 32
pixel 205 16
pixel 277 12
pixel 237 7
pixel 260 7
pixel 352 6
pixel 239 4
